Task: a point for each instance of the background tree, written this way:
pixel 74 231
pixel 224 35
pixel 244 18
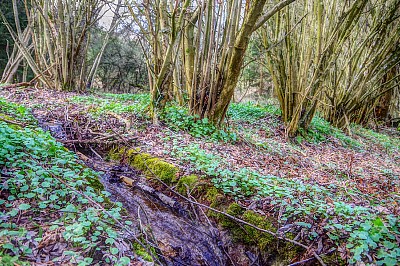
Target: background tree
pixel 210 55
pixel 160 26
pixel 122 67
pixel 218 42
pixel 301 44
pixel 364 74
pixel 59 39
pixel 11 59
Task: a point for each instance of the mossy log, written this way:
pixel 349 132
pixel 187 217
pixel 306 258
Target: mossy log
pixel 146 163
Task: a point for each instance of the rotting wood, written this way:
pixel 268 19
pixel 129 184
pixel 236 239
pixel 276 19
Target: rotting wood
pixel 174 204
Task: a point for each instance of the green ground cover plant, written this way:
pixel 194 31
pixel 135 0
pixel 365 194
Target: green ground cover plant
pixel 40 178
pixel 360 228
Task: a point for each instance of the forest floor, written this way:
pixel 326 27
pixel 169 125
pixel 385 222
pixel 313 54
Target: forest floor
pixel 328 190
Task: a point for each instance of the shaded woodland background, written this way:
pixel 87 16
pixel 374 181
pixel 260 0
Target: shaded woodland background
pixel 338 58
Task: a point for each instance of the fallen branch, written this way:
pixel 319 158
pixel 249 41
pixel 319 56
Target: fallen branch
pixel 17 85
pixel 12 122
pixel 174 204
pixel 96 141
pixel 312 258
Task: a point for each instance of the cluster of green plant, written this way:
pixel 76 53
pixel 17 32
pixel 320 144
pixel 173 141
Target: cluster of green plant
pixel 383 140
pixel 142 98
pixel 116 103
pixel 18 112
pixel 321 130
pixel 178 118
pixel 250 111
pixel 41 178
pixel 363 229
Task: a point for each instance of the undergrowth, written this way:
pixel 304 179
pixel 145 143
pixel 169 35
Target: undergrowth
pixel 46 191
pixel 250 111
pixel 390 144
pixel 321 130
pixel 178 118
pixel 363 230
pixel 116 103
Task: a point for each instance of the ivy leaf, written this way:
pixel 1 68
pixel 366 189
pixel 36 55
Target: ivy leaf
pixel 378 222
pixel 388 244
pixel 24 206
pixel 45 184
pixel 114 251
pixel 110 241
pixel 13 212
pixel 124 261
pixel 304 224
pixel 388 262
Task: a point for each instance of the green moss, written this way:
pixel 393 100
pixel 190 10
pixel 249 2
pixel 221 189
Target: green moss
pixel 334 259
pixel 9 118
pixel 215 199
pixel 163 170
pixel 141 252
pixel 140 161
pixel 235 210
pixel 95 183
pixel 146 163
pixel 212 194
pixel 282 252
pixel 187 182
pixel 263 240
pixel 115 154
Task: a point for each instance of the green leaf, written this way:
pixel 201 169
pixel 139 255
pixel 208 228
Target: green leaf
pixel 388 262
pixel 11 197
pixel 114 251
pixel 378 222
pixel 70 208
pixel 124 261
pixel 53 197
pixel 8 246
pixel 389 245
pixel 110 241
pixel 30 195
pixel 13 212
pixel 24 188
pixel 45 184
pixel 304 224
pixel 24 207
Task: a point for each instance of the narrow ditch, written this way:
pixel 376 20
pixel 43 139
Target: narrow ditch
pixel 179 234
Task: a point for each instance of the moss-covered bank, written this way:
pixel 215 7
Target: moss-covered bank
pixel 149 165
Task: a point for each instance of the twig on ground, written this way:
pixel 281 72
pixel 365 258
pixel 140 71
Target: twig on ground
pixel 12 122
pixel 96 141
pixel 98 155
pixel 312 258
